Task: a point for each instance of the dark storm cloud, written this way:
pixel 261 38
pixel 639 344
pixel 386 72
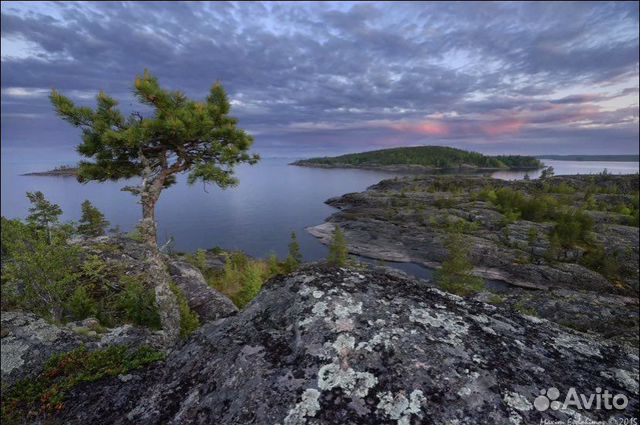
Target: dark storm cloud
pixel 336 76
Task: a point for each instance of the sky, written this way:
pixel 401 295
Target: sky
pixel 311 78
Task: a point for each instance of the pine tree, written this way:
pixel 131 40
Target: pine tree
pixel 92 223
pixel 547 172
pixel 42 213
pixel 295 257
pixel 455 273
pixel 181 135
pixel 338 251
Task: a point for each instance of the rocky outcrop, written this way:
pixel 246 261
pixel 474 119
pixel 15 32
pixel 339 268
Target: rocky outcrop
pixel 208 303
pixel 344 346
pixel 29 341
pixel 405 220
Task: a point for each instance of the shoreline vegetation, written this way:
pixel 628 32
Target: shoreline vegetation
pixel 61 171
pixel 423 159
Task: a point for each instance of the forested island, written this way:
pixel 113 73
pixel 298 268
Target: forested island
pixel 423 158
pixel 61 171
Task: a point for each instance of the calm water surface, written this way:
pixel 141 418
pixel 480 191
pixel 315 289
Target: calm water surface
pixel 272 200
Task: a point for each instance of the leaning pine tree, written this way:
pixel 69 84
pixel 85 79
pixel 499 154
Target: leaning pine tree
pixel 179 135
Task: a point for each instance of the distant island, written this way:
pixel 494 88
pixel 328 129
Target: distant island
pixel 61 171
pixel 612 158
pixel 423 158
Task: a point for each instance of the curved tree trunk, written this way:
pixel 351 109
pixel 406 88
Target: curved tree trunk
pixel 165 298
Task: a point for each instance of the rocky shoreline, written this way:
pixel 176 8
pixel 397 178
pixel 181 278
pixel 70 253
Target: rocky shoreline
pixel 402 220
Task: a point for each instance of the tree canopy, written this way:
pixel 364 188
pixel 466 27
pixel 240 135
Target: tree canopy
pixel 179 135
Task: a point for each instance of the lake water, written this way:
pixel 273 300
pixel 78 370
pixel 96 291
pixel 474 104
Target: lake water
pixel 272 200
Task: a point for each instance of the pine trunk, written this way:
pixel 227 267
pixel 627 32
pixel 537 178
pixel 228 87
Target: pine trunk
pixel 165 298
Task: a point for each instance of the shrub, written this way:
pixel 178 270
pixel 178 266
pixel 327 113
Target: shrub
pixel 295 257
pixel 138 303
pixel 39 269
pixel 252 278
pixel 188 318
pixel 338 251
pixel 455 273
pixel 92 222
pixel 573 226
pixel 46 394
pixel 81 305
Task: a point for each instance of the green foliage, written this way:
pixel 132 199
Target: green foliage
pixel 188 318
pixel 138 303
pixel 607 264
pixel 39 270
pixel 427 156
pixel 532 237
pixel 252 279
pixel 573 226
pixel 242 277
pixel 455 273
pixel 547 172
pixel 273 265
pixel 338 250
pixel 46 275
pixel 46 394
pixel 181 135
pixel 135 234
pixel 294 259
pixel 200 136
pixel 488 194
pixel 521 308
pixel 92 223
pixel 198 259
pixel 495 299
pixel 81 305
pixel 555 248
pixel 42 213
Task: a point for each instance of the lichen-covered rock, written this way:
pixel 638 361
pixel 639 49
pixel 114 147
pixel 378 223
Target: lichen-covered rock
pixel 342 346
pixel 208 303
pixel 28 342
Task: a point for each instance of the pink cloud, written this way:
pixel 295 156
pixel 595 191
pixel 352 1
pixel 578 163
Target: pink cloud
pixel 427 128
pixel 501 127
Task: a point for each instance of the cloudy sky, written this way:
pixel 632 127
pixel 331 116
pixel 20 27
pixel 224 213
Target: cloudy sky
pixel 324 78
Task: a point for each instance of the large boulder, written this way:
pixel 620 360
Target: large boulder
pixel 208 303
pixel 342 346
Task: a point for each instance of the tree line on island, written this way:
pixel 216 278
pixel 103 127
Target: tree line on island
pixel 437 157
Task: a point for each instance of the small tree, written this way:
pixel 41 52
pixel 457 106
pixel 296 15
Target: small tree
pixel 547 172
pixel 181 135
pixel 295 257
pixel 42 213
pixel 455 273
pixel 338 251
pixel 532 238
pixel 92 223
